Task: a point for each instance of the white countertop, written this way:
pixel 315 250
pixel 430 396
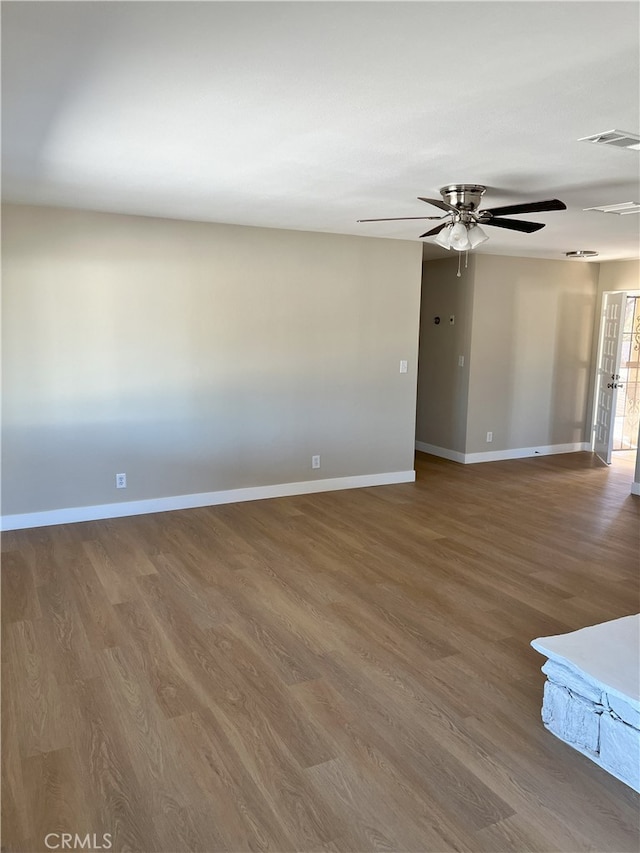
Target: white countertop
pixel 608 655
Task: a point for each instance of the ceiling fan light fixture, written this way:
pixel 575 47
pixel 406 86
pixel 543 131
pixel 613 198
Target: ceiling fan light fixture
pixel 459 237
pixel 476 235
pixel 444 238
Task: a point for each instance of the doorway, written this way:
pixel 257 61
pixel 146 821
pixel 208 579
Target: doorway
pixel 616 410
pixel 626 420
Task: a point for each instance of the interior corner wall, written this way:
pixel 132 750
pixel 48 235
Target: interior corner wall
pixel 198 357
pixel 443 385
pixel 619 275
pixel 531 346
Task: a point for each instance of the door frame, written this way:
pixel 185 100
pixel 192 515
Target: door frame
pixel 597 362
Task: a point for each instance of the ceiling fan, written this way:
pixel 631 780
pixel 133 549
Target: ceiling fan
pixel 461 229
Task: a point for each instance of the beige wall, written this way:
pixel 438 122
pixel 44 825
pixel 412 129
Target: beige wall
pixel 619 275
pixel 530 352
pixel 525 327
pixel 198 357
pixel 443 385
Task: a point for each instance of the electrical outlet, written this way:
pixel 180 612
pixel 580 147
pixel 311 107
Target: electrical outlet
pixel 315 461
pixel 403 366
pixel 121 481
pixel 489 437
pixel 460 361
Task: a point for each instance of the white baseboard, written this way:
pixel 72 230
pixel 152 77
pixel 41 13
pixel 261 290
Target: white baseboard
pixel 635 488
pixel 118 510
pixel 498 455
pixel 525 452
pixel 443 452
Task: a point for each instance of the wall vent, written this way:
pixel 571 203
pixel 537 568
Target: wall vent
pixel 615 138
pixel 619 209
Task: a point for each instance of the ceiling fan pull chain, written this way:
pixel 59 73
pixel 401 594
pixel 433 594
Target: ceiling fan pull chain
pixel 466 258
pixel 459 259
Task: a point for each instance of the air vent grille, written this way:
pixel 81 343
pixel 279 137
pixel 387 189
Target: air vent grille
pixel 616 138
pixel 619 209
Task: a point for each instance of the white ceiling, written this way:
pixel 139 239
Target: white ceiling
pixel 312 115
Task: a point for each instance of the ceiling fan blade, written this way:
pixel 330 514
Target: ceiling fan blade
pixel 398 218
pixel 514 224
pixel 527 207
pixel 438 202
pixel 433 231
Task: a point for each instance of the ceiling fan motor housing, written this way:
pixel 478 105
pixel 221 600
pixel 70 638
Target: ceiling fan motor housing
pixel 465 197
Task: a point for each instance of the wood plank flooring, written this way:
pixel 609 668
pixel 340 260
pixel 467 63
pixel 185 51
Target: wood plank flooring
pixel 347 671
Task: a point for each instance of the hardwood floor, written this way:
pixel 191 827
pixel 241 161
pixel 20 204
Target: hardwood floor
pixel 347 671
